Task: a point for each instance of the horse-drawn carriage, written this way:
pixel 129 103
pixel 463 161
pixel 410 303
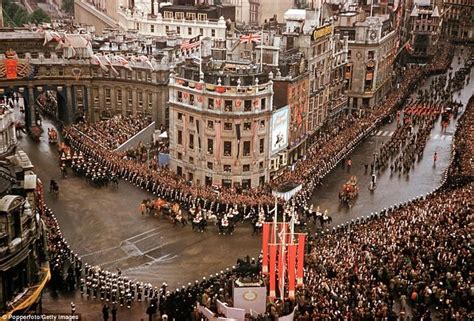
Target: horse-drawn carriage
pixel 349 192
pixel 52 135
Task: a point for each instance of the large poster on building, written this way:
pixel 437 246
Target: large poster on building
pixel 279 129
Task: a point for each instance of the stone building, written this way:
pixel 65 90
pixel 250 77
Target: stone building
pixel 83 87
pixel 220 124
pixel 372 44
pixel 24 268
pixel 458 21
pixel 424 28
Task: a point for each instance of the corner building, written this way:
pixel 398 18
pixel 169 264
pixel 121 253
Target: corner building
pixel 220 124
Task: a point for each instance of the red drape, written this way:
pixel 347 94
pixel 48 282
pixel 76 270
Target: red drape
pixel 272 281
pixel 291 270
pixel 265 238
pixel 299 270
pixel 281 268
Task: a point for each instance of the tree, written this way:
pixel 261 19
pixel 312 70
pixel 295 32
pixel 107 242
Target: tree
pixel 39 16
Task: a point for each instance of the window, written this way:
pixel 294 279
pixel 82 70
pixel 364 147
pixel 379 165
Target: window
pixel 202 16
pixel 190 31
pixel 179 171
pixel 168 15
pixel 228 105
pixel 190 16
pixel 260 165
pixel 247 126
pixel 179 15
pixel 191 160
pixel 180 116
pixel 180 156
pixel 261 146
pixel 263 103
pixel 180 137
pixel 208 181
pixel 152 28
pixel 180 96
pixel 210 146
pixel 227 148
pixel 210 124
pixel 261 180
pixel 178 30
pixel 210 165
pixel 201 31
pixel 210 103
pixel 371 54
pixel 227 126
pixel 246 168
pixel 262 123
pixel 227 168
pixel 167 29
pixel 191 99
pixel 191 141
pixel 246 183
pixel 247 105
pixel 191 119
pixel 246 151
pixel 213 32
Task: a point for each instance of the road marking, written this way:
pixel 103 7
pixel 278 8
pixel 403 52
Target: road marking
pixel 379 132
pixel 391 134
pixel 385 133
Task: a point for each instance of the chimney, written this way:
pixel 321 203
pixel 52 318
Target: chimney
pixel 152 7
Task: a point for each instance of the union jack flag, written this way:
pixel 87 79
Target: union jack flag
pixel 191 43
pixel 255 37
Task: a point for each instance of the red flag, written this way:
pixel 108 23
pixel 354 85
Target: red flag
pixel 281 269
pixel 291 270
pixel 299 270
pixel 265 237
pixel 273 254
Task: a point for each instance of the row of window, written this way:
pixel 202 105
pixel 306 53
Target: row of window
pixel 227 126
pixel 228 105
pixel 227 151
pixel 225 168
pixel 185 15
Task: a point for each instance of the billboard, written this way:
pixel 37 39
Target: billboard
pixel 279 129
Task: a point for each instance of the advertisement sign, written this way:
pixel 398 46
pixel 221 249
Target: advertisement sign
pixel 279 129
pixel 320 32
pixel 10 68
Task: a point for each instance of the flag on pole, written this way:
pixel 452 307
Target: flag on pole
pixel 291 270
pixel 300 261
pixel 272 281
pixel 191 43
pixel 265 239
pixel 281 269
pixel 254 37
pixel 122 61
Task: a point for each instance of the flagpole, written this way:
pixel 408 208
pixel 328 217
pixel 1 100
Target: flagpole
pixel 261 52
pixel 200 58
pixel 282 258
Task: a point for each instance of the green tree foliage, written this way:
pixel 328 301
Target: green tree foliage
pixel 39 16
pixel 16 16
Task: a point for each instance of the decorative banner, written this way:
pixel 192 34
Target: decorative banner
pixel 291 270
pixel 273 254
pixel 11 68
pixel 265 238
pixel 299 270
pixel 281 269
pixel 246 300
pixel 279 129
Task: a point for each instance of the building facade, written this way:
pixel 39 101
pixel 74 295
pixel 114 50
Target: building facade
pixel 424 28
pixel 220 125
pixel 458 21
pixel 372 44
pixel 84 88
pixel 24 268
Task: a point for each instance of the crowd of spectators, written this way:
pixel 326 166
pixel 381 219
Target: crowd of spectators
pixel 113 132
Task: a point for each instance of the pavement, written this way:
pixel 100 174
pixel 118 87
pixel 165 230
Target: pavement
pixel 104 227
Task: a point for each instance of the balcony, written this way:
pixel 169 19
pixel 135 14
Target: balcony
pixel 218 91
